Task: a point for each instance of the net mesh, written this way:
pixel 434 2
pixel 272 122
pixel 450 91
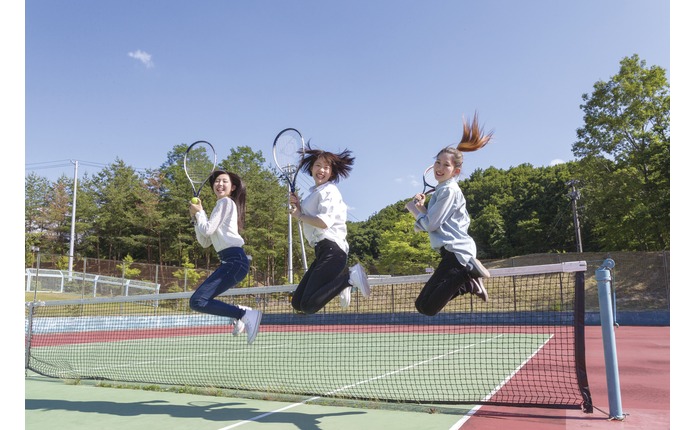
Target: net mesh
pixel 524 347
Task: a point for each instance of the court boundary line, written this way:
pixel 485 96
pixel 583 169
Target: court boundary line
pixel 384 375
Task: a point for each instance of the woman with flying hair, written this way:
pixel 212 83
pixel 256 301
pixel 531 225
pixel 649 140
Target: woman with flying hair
pixel 446 220
pixel 323 214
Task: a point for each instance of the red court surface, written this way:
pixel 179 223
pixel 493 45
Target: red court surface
pixel 644 371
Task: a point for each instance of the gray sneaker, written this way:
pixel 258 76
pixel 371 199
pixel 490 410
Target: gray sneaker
pixel 475 286
pixel 345 297
pixel 476 269
pixel 358 278
pixel 252 321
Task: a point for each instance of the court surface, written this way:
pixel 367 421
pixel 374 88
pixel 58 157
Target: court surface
pixel 643 358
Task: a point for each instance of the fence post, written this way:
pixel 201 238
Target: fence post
pixel 603 280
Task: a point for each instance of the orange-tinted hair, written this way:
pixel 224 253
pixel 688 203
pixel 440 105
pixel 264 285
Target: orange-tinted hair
pixel 473 139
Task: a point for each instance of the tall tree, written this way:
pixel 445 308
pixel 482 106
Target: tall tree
pixel 265 233
pixel 118 188
pixel 36 189
pixel 624 151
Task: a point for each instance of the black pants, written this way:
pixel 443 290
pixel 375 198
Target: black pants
pixel 446 283
pixel 324 280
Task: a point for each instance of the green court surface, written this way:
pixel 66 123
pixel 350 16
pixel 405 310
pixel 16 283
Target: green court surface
pixel 53 404
pixel 385 366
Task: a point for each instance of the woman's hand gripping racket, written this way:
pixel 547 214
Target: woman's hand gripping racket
pixel 428 184
pixel 288 150
pixel 199 162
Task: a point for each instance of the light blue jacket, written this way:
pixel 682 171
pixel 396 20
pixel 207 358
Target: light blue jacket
pixel 447 221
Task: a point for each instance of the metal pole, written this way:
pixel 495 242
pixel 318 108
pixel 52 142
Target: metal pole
pixel 301 240
pixel 37 250
pixel 603 279
pixel 72 226
pixel 574 195
pixel 290 277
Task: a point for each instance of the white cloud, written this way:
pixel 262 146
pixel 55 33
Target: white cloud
pixel 556 162
pixel 410 179
pixel 143 57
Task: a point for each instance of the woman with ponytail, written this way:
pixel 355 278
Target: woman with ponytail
pixel 446 220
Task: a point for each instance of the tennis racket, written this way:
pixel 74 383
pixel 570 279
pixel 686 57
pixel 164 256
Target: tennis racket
pixel 199 162
pixel 428 181
pixel 288 150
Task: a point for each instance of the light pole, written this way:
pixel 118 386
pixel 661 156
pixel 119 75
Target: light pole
pixel 574 195
pixel 72 227
pixel 36 250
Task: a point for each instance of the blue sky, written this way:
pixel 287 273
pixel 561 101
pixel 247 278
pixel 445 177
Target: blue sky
pixel 389 80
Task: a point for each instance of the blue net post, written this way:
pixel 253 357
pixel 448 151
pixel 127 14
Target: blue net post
pixel 603 280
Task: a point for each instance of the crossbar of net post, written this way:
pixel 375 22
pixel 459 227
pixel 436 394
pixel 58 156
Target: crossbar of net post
pixel 524 347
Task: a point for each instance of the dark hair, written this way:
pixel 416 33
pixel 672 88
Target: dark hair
pixel 238 194
pixel 341 163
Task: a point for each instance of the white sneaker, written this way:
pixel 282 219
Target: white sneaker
pixel 358 278
pixel 252 321
pixel 476 269
pixel 345 297
pixel 239 326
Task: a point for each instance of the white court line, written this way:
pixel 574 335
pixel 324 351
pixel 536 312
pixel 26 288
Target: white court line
pixel 472 412
pixel 258 417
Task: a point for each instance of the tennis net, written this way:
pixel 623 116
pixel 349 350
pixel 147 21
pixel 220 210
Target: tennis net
pixel 523 347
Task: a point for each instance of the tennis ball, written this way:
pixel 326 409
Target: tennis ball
pixel 195 200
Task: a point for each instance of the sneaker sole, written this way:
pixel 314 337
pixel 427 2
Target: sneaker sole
pixel 479 271
pixel 253 333
pixel 363 284
pixel 483 295
pixel 364 287
pixel 344 303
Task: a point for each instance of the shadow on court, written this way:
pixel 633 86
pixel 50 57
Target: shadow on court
pixel 209 411
pixel 53 403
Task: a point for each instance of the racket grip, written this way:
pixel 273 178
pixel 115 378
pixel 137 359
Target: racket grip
pixel 411 208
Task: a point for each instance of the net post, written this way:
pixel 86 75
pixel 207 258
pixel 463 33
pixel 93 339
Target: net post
pixel 603 280
pixel 28 333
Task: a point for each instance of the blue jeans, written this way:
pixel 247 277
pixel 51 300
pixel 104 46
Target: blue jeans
pixel 325 279
pixel 232 270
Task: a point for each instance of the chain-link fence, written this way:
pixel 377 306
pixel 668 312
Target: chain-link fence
pixel 641 280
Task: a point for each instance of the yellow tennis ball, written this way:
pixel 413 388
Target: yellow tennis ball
pixel 195 200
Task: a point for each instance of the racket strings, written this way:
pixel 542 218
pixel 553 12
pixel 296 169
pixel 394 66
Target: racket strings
pixel 200 176
pixel 200 162
pixel 287 152
pixel 429 179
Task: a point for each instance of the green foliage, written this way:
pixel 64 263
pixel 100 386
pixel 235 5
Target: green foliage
pixel 405 251
pixel 522 210
pixel 188 276
pixel 63 262
pixel 126 269
pixel 625 158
